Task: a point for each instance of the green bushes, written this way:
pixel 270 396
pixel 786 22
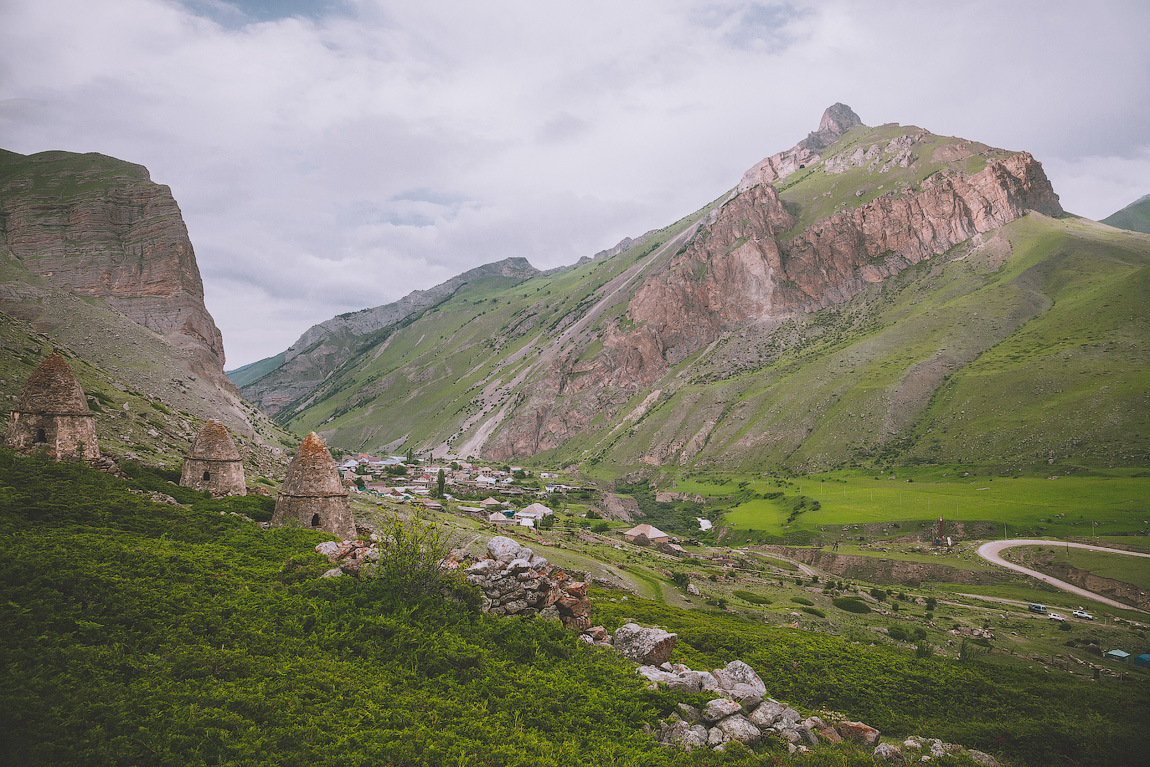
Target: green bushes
pixel 753 598
pixel 813 611
pixel 851 605
pixel 801 601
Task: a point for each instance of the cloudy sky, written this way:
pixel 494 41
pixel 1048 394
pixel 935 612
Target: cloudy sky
pixel 331 155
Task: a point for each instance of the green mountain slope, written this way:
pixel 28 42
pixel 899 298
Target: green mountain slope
pixel 899 297
pixel 1135 216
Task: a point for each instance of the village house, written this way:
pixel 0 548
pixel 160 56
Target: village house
pixel 652 534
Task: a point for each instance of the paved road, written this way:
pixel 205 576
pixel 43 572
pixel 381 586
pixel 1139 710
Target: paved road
pixel 989 552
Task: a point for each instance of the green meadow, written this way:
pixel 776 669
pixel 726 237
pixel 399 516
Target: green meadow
pixel 1114 501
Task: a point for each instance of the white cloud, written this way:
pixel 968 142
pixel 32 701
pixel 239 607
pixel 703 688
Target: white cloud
pixel 348 154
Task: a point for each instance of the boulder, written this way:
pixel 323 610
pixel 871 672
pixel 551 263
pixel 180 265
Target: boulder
pixel 738 673
pixel 978 757
pixel 889 753
pixel 767 713
pixel 857 732
pixel 738 728
pixel 696 737
pixel 644 645
pixel 720 708
pixel 504 549
pixel 329 549
pixel 334 572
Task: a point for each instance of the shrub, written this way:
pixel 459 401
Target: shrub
pixel 801 601
pixel 923 650
pixel 813 611
pixel 411 559
pixel 851 605
pixel 898 633
pixel 753 598
pixel 879 594
pixel 682 580
pixel 931 603
pixel 602 527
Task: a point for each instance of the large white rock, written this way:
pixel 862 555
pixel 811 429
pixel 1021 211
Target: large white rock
pixel 738 728
pixel 720 708
pixel 738 673
pixel 645 645
pixel 504 549
pixel 767 713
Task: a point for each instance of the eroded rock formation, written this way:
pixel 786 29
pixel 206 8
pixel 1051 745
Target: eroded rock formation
pixel 101 228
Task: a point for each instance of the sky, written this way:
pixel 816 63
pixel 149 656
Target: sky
pixel 333 155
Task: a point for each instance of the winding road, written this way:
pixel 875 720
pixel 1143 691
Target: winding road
pixel 989 552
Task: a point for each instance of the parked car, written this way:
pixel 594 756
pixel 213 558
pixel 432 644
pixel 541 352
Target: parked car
pixel 1083 615
pixel 1038 609
pixel 1056 617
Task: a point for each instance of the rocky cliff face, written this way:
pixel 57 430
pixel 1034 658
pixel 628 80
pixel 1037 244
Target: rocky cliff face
pixel 758 260
pixel 100 228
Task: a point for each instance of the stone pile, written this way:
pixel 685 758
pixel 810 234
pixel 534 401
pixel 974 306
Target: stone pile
pixel 741 711
pixel 516 581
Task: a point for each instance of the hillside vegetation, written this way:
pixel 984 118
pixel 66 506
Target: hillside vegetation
pixel 1135 216
pixel 145 633
pixel 1022 346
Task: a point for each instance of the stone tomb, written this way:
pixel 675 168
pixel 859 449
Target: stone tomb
pixel 312 495
pixel 53 412
pixel 214 463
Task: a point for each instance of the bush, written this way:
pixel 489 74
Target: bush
pixel 923 650
pixel 813 611
pixel 682 580
pixel 898 633
pixel 801 601
pixel 931 603
pixel 753 598
pixel 411 557
pixel 879 594
pixel 851 605
pixel 600 527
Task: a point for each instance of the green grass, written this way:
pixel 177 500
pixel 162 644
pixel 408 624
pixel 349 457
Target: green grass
pixel 1134 570
pixel 1115 498
pixel 1135 216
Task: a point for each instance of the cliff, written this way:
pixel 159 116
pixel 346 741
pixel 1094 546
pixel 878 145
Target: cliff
pixel 99 228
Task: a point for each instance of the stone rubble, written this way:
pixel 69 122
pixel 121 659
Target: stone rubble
pixel 742 712
pixel 517 581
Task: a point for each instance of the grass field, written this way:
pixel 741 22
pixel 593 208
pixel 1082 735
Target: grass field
pixel 1114 501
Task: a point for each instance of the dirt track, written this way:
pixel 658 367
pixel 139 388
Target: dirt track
pixel 989 552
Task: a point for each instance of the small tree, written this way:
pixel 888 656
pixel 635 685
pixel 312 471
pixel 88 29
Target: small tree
pixel 440 484
pixel 682 580
pixel 411 558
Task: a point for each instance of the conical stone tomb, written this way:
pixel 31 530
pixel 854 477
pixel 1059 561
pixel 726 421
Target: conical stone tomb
pixel 53 412
pixel 312 495
pixel 214 463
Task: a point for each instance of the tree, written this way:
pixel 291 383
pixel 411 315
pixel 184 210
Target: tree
pixel 440 483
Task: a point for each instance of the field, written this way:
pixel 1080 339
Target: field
pixel 1113 501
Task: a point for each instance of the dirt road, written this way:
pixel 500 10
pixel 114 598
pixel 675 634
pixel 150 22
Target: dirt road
pixel 989 552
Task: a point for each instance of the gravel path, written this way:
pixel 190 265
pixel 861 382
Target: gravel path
pixel 989 552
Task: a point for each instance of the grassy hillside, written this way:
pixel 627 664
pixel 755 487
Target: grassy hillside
pixel 1028 348
pixel 1135 216
pixel 143 633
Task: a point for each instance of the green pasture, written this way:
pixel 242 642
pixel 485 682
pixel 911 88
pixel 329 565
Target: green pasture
pixel 1119 567
pixel 1112 501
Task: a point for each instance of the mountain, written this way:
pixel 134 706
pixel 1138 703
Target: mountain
pixel 1135 216
pixel 95 261
pixel 870 295
pixel 283 382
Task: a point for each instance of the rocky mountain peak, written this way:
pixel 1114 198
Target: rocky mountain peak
pixel 837 120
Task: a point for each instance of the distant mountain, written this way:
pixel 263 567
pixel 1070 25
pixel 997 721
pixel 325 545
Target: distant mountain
pixel 95 260
pixel 1135 216
pixel 871 295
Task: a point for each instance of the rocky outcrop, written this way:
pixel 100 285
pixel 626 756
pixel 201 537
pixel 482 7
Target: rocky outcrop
pixel 98 227
pixel 836 121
